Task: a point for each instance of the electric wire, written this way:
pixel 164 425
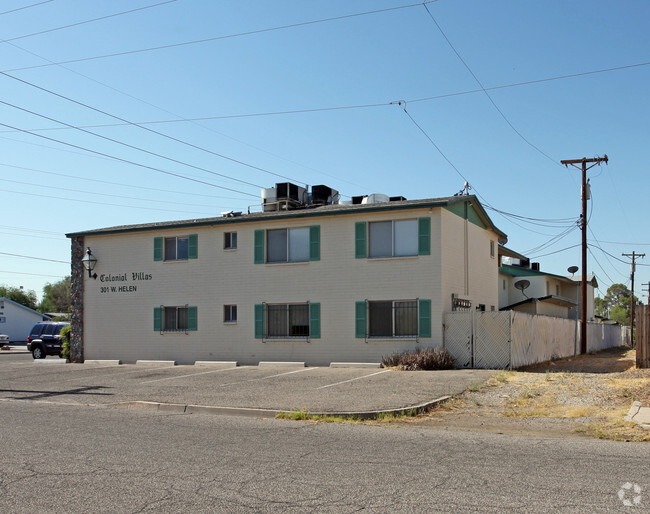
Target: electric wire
pixel 179 118
pixel 229 36
pixel 600 265
pixel 166 202
pixel 133 147
pixel 32 274
pixel 92 202
pixel 166 136
pixel 505 118
pixel 26 7
pixel 126 161
pixel 88 179
pixel 86 21
pixel 35 258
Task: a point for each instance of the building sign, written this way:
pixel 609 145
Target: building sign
pixel 116 283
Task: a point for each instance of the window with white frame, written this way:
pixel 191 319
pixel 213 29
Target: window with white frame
pixel 230 241
pixel 393 318
pixel 287 245
pixel 397 238
pixel 176 248
pixel 230 314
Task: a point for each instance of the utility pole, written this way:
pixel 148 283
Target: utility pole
pixel 633 255
pixel 583 225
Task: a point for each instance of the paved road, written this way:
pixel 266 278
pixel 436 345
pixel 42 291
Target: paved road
pixel 316 389
pixel 62 458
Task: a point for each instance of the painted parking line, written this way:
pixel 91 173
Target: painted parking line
pixel 266 378
pixel 193 374
pixel 353 379
pixel 121 372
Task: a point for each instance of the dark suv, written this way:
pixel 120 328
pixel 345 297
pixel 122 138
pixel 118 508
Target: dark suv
pixel 44 339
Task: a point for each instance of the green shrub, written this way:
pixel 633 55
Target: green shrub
pixel 420 359
pixel 65 338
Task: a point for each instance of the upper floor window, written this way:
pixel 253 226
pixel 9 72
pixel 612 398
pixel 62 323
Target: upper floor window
pixel 287 245
pixel 230 240
pixel 492 249
pixel 396 238
pixel 230 314
pixel 177 248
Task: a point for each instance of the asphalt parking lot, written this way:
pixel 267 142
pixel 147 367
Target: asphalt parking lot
pixel 229 388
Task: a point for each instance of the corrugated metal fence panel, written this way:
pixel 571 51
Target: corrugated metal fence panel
pixel 458 337
pixel 492 340
pixel 601 336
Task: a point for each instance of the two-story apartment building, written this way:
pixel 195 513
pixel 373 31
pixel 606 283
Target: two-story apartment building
pixel 318 283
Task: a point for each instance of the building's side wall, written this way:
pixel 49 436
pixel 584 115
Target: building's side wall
pixel 118 315
pixel 468 269
pixel 17 321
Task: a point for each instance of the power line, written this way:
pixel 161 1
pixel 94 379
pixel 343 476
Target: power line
pixel 133 147
pixel 166 202
pixel 229 36
pixel 26 7
pixel 152 168
pixel 557 251
pixel 32 274
pixel 87 179
pixel 35 258
pixel 102 203
pixel 86 21
pixel 148 130
pixel 180 118
pixel 484 90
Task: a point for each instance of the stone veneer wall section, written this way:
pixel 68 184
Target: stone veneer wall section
pixel 77 298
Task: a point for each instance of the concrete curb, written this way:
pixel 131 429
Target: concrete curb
pixel 154 363
pixel 232 364
pixel 355 365
pixel 103 362
pixel 51 361
pixel 639 415
pixel 277 364
pixel 177 408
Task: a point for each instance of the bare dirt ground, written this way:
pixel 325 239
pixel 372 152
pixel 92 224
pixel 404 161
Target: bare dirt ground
pixel 586 396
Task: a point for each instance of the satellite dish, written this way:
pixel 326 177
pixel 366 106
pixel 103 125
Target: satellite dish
pixel 572 269
pixel 521 285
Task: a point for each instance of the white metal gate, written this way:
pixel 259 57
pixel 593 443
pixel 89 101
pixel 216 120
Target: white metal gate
pixel 478 340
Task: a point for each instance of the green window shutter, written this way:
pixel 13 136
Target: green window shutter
pixel 314 320
pixel 314 243
pixel 424 236
pixel 192 318
pixel 259 247
pixel 193 246
pixel 259 321
pixel 360 319
pixel 360 246
pixel 157 319
pixel 157 248
pixel 424 321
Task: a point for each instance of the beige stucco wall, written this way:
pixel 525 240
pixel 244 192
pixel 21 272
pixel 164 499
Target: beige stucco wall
pixel 119 324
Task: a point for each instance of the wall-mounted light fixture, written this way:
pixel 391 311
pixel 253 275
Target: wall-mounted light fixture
pixel 89 262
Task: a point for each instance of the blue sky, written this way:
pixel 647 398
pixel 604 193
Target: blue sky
pixel 496 93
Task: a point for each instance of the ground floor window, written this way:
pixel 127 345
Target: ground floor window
pixel 393 319
pixel 175 318
pixel 287 320
pixel 388 319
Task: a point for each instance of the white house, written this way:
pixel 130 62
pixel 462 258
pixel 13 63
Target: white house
pixel 527 289
pixel 16 320
pixel 307 280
